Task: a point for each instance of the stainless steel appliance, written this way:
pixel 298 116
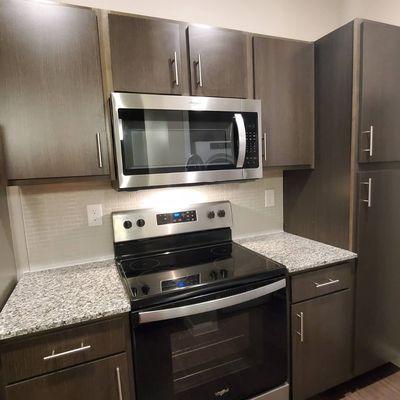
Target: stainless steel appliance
pixel 176 140
pixel 209 317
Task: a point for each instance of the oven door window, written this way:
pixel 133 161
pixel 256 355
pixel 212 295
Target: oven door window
pixel 160 141
pixel 233 353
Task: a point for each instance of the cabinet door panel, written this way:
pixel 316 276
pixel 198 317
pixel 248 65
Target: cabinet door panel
pixel 223 62
pixel 324 358
pixel 378 276
pixel 380 92
pixel 284 81
pixel 143 55
pixel 97 380
pixel 51 104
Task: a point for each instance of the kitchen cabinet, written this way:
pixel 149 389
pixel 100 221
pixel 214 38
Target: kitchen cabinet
pixel 378 278
pixel 105 379
pixel 322 330
pixel 51 108
pixel 218 62
pixel 380 93
pixel 145 55
pixel 284 82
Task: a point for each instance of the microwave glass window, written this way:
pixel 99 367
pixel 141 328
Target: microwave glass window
pixel 172 141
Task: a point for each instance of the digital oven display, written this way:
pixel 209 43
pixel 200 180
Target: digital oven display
pixel 180 283
pixel 176 217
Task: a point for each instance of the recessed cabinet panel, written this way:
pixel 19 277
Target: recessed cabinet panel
pixel 51 104
pixel 378 277
pixel 321 343
pixel 145 55
pixel 218 62
pixel 284 81
pixel 380 93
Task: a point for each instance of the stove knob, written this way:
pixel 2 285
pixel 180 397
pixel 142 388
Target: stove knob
pixel 140 223
pixel 213 275
pixel 211 215
pixel 223 273
pixel 127 224
pixel 221 213
pixel 145 290
pixel 134 291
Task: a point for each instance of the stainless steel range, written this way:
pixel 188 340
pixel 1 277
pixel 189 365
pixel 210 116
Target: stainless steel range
pixel 209 317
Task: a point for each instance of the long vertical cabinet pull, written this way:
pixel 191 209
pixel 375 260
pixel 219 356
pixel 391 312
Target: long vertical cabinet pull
pixel 265 145
pixel 117 370
pixel 199 71
pixel 369 185
pixel 370 150
pixel 301 332
pixel 175 62
pixel 99 154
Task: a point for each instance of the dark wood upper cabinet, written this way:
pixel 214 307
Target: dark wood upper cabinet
pixel 284 81
pixel 321 343
pixel 378 277
pixel 52 119
pixel 218 62
pixel 380 93
pixel 145 55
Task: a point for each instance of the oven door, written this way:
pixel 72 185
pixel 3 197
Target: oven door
pixel 159 143
pixel 227 345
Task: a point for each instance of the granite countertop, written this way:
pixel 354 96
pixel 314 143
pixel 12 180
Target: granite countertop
pixel 63 296
pixel 295 252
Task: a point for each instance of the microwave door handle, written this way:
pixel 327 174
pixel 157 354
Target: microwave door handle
pixel 212 305
pixel 242 140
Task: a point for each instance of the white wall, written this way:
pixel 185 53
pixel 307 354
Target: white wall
pixel 298 19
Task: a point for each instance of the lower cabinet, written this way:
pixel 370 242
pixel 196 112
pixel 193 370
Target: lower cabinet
pixel 105 379
pixel 322 340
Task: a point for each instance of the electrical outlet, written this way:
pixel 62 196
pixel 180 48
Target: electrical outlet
pixel 270 198
pixel 95 214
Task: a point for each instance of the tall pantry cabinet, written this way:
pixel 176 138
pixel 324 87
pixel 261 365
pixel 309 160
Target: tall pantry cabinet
pixel 351 198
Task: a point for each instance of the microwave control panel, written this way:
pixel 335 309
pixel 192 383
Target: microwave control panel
pixel 252 158
pixel 176 217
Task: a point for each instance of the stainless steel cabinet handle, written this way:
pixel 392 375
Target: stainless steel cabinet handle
pixel 119 383
pixel 369 184
pixel 265 146
pixel 175 62
pixel 66 353
pixel 199 72
pixel 330 282
pixel 301 333
pixel 370 150
pixel 99 155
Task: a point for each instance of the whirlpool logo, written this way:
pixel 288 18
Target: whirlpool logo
pixel 221 392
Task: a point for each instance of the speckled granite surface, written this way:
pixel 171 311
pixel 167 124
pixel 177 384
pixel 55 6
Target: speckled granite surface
pixel 295 252
pixel 53 298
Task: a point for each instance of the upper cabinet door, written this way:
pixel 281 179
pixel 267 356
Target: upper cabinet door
pixel 218 62
pixel 380 93
pixel 145 55
pixel 284 81
pixel 51 104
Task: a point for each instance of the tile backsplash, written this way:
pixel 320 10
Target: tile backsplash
pixel 57 231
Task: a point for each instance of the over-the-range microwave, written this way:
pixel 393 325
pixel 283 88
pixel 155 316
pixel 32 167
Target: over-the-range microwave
pixel 182 140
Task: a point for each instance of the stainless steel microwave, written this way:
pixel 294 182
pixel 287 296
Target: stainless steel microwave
pixel 183 140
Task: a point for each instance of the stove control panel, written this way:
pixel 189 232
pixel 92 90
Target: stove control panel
pixel 176 217
pixel 180 283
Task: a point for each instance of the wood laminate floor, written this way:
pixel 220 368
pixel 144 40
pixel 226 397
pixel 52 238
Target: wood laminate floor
pixel 380 384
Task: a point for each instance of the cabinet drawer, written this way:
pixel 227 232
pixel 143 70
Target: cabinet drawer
pixel 328 280
pixel 41 354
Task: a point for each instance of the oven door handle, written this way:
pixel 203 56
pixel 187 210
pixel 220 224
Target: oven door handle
pixel 242 139
pixel 212 305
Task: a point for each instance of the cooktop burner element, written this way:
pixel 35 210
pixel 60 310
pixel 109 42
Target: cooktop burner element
pixel 184 251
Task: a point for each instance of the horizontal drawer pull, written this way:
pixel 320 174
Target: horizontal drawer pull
pixel 66 353
pixel 330 282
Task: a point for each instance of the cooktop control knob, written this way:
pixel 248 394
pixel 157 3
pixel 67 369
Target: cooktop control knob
pixel 221 213
pixel 145 289
pixel 223 273
pixel 213 275
pixel 211 214
pixel 140 223
pixel 134 291
pixel 127 224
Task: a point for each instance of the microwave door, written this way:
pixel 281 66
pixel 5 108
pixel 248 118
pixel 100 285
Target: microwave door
pixel 241 140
